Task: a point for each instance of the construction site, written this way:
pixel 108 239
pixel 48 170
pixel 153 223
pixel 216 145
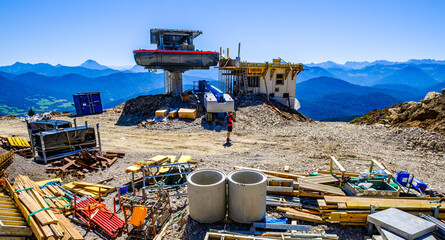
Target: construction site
pixel 159 166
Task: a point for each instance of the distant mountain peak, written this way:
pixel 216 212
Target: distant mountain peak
pixel 91 64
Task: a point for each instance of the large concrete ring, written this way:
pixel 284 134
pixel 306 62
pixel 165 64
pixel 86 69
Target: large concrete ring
pixel 207 195
pixel 247 195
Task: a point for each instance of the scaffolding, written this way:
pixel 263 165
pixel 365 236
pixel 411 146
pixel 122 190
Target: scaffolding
pixel 237 77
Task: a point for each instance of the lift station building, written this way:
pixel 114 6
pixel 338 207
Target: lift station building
pixel 277 80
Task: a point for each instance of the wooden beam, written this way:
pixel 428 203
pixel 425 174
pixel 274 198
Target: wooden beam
pixel 274 173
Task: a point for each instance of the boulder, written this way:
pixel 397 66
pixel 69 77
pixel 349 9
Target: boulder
pixel 431 95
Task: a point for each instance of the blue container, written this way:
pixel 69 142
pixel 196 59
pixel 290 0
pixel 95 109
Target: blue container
pixel 418 185
pixel 123 189
pixel 403 177
pixel 87 103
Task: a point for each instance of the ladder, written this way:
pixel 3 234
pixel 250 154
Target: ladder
pixel 244 78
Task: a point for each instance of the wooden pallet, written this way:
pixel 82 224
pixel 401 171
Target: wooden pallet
pixel 6 159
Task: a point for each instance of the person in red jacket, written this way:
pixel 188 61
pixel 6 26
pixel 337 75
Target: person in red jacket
pixel 229 125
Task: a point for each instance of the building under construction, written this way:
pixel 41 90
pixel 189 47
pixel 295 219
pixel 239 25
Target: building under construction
pixel 277 79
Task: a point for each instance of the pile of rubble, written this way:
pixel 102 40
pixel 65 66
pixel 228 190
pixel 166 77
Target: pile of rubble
pixel 252 111
pixel 428 114
pixel 141 108
pixel 85 162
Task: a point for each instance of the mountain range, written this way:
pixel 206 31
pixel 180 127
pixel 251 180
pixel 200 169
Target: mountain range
pixel 326 91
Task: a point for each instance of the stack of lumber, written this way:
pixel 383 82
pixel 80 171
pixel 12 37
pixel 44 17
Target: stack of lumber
pixel 12 222
pixel 6 158
pixel 45 222
pixel 57 198
pixel 90 189
pixel 355 210
pixel 19 145
pixel 85 162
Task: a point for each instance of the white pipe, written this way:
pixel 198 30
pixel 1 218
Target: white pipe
pixel 247 195
pixel 207 195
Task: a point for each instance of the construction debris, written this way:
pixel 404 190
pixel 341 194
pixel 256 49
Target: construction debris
pixel 85 162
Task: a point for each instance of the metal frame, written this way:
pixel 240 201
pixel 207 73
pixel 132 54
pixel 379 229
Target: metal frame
pixel 45 159
pixel 148 169
pixel 342 169
pixel 159 211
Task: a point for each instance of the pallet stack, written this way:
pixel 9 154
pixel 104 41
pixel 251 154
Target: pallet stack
pixel 45 221
pixel 6 158
pixel 85 162
pixel 19 145
pixel 12 222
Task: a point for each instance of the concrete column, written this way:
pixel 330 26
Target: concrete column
pixel 173 82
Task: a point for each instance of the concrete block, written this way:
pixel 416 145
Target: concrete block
pixel 388 235
pixel 377 237
pixel 401 223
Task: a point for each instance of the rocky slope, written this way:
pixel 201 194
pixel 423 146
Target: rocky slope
pixel 428 114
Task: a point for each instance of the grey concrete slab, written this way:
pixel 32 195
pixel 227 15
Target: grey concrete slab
pixel 401 223
pixel 388 235
pixel 377 237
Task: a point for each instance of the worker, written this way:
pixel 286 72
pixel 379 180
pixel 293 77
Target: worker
pixel 229 125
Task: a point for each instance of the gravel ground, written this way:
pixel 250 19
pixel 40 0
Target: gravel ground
pixel 261 139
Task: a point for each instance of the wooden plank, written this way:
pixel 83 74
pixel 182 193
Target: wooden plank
pixel 296 214
pixel 342 169
pixel 66 224
pixel 398 205
pixel 298 193
pixel 274 173
pixel 41 217
pixel 87 184
pixel 337 199
pixel 305 217
pixel 320 188
pixel 321 179
pixel 347 174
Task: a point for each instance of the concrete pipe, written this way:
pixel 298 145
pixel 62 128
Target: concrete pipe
pixel 207 195
pixel 247 195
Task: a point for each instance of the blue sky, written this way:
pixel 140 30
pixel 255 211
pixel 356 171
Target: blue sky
pixel 69 32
